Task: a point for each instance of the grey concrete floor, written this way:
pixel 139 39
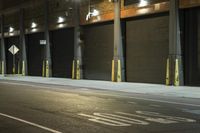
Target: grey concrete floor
pixel 71 109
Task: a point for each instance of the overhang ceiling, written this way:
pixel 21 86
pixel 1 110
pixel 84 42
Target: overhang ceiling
pixel 4 4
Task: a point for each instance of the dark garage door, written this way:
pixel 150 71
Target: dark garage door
pixel 147 48
pixel 62 52
pixel 35 53
pixel 9 57
pixel 98 51
pixel 192 46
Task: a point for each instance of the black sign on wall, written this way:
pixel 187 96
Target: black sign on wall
pixel 130 2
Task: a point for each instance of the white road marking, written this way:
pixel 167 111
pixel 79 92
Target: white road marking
pixel 154 105
pixel 30 123
pixel 124 119
pixel 104 121
pixel 121 118
pixel 157 120
pixel 131 97
pixel 132 102
pixel 155 114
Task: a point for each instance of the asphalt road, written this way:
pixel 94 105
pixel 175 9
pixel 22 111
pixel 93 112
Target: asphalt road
pixel 39 108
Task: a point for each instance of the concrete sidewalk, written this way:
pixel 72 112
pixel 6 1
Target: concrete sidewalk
pixel 190 92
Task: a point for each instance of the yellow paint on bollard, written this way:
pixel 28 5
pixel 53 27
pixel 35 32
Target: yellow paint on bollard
pixel 47 68
pixel 78 70
pixel 18 70
pixel 23 68
pixel 119 75
pixel 113 71
pixel 13 70
pixel 43 69
pixel 73 65
pixel 167 73
pixel 2 68
pixel 176 82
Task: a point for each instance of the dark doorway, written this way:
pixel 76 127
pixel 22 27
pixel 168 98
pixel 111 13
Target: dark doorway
pixel 192 46
pixel 147 48
pixel 98 51
pixel 35 53
pixel 62 52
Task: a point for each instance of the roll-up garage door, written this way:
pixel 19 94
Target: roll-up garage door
pixel 98 51
pixel 9 57
pixel 62 52
pixel 147 48
pixel 35 53
pixel 192 46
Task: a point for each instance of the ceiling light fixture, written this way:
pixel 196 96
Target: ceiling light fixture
pixel 143 3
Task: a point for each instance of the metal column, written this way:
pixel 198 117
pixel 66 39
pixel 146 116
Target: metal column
pixel 48 62
pixel 3 54
pixel 23 44
pixel 174 75
pixel 118 69
pixel 77 72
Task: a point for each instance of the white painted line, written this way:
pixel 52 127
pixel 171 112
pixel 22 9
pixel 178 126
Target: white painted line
pixel 132 102
pixel 154 105
pixel 30 123
pixel 121 118
pixel 131 97
pixel 151 119
pixel 104 121
pixel 155 114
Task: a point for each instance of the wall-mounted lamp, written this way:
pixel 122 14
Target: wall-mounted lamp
pixel 60 20
pixel 33 25
pixel 11 29
pixel 94 13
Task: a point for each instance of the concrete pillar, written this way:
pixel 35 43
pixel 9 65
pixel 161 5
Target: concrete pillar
pixel 174 74
pixel 118 70
pixel 3 54
pixel 77 72
pixel 48 62
pixel 23 44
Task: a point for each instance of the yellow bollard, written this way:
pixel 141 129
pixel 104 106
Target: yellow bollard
pixel 47 68
pixel 176 82
pixel 18 69
pixel 113 71
pixel 73 65
pixel 23 68
pixel 167 73
pixel 78 70
pixel 119 79
pixel 43 68
pixel 2 68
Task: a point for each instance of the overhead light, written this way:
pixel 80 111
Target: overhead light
pixel 11 29
pixel 143 3
pixel 33 25
pixel 95 12
pixel 34 30
pixel 60 20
